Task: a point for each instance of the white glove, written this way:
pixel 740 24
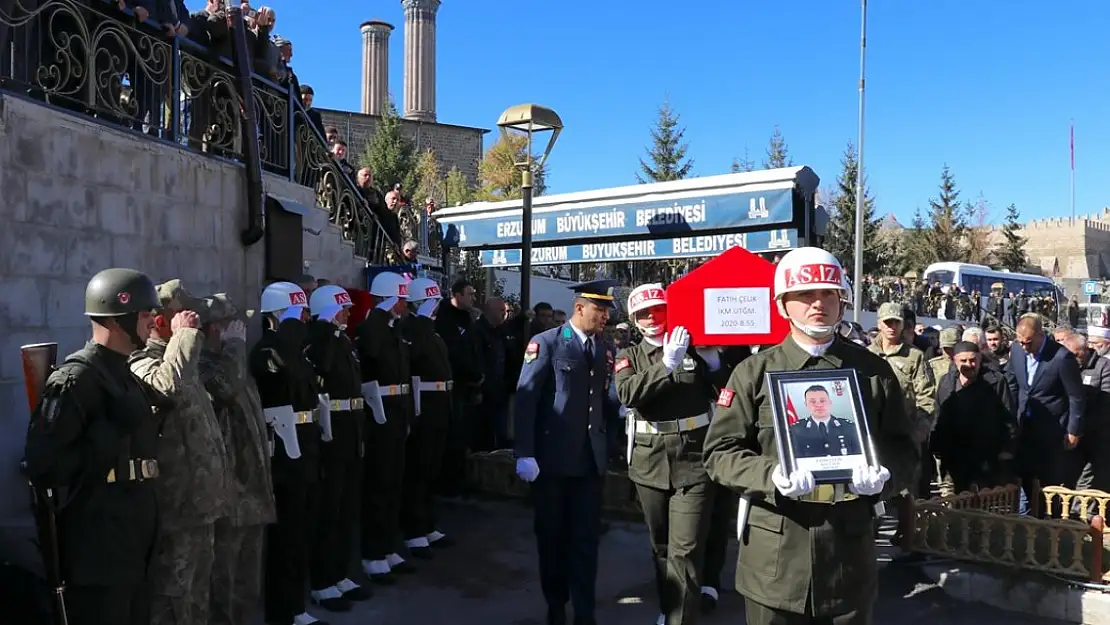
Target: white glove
pixel 868 480
pixel 674 347
pixel 293 312
pixel 711 356
pixel 235 330
pixel 799 483
pixel 527 469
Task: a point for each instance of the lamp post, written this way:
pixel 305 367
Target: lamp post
pixel 525 120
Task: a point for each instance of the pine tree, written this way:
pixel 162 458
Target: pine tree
pixel 456 188
pixel 913 253
pixel 743 164
pixel 777 154
pixel 499 177
pixel 667 154
pixel 841 236
pixel 668 161
pixel 1011 252
pixel 389 152
pixel 947 222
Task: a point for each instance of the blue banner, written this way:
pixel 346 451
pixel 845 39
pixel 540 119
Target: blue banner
pixel 661 249
pixel 615 219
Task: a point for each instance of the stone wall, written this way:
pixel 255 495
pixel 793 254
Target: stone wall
pixel 1069 248
pixel 77 197
pixel 455 146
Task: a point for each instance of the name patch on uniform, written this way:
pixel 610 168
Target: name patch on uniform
pixel 297 298
pixel 622 364
pixel 725 398
pixel 531 352
pixel 813 274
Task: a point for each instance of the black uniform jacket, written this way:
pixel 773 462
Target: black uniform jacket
pixel 431 363
pixel 339 375
pixel 645 387
pixel 800 553
pixel 94 416
pixel 285 378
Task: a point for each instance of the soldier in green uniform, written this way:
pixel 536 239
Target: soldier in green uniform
pixel 939 365
pixel 807 554
pixel 918 390
pixel 668 393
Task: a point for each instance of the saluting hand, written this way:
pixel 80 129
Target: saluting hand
pixel 185 319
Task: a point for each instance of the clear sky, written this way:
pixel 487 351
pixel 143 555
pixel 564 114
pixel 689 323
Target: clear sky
pixel 987 86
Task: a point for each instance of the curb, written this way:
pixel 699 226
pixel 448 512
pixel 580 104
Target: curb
pixel 1019 591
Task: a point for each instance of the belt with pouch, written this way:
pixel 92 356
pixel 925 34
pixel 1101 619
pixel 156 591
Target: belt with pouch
pixel 437 386
pixel 395 390
pixel 672 427
pixel 138 469
pixel 340 405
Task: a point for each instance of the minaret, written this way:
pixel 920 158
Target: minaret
pixel 375 66
pixel 420 59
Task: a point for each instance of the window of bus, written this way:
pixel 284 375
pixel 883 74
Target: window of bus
pixel 942 276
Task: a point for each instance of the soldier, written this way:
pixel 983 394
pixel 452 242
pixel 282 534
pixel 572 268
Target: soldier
pixel 919 392
pixel 807 554
pixel 333 357
pixel 823 433
pixel 562 407
pixel 432 386
pixel 668 393
pixel 237 569
pixel 386 386
pixel 92 441
pixel 940 365
pixel 193 489
pixel 290 404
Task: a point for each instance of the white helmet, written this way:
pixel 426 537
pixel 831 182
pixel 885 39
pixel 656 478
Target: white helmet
pixel 425 293
pixel 422 289
pixel 281 295
pixel 328 300
pixel 810 269
pixel 644 297
pixel 848 296
pixel 391 287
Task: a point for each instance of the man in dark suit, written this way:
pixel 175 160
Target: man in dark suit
pixel 563 408
pixel 1045 378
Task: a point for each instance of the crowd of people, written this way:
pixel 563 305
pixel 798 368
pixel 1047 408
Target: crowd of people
pixel 955 302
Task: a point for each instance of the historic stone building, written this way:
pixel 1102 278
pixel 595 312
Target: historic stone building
pixel 454 146
pixel 1068 248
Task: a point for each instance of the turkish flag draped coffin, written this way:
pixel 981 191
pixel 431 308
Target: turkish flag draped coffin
pixel 729 300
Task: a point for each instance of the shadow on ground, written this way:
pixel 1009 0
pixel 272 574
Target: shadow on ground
pixel 490 578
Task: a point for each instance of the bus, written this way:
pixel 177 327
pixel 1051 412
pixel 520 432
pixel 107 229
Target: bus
pixel 982 278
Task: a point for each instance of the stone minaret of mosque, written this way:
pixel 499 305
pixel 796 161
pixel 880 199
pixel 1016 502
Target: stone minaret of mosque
pixel 375 66
pixel 420 59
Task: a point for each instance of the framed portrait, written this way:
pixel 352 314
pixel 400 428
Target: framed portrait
pixel 820 424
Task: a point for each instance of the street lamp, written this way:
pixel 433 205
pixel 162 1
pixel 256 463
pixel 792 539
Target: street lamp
pixel 525 120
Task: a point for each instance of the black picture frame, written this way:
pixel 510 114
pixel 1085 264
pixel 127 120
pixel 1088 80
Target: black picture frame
pixel 830 454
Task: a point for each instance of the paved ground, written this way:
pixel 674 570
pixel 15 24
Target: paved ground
pixel 491 578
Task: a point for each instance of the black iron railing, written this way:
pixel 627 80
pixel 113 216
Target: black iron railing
pixel 88 57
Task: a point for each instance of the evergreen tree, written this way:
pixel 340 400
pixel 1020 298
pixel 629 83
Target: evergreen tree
pixel 499 177
pixel 668 161
pixel 427 178
pixel 777 154
pixel 913 252
pixel 667 154
pixel 743 164
pixel 841 237
pixel 1011 252
pixel 947 222
pixel 389 152
pixel 456 188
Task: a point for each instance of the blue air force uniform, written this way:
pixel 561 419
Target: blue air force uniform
pixel 836 437
pixel 563 406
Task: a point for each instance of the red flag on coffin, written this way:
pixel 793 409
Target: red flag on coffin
pixel 791 414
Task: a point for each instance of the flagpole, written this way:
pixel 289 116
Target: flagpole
pixel 857 283
pixel 1072 146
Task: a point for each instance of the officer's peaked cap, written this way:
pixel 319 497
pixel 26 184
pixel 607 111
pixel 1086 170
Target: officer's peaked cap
pixel 118 291
pixel 599 292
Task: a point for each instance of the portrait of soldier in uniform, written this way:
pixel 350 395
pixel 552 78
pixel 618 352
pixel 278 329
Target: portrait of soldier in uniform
pixel 824 432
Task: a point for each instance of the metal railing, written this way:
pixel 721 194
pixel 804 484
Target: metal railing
pixel 88 57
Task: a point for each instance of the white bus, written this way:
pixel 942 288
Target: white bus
pixel 981 278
